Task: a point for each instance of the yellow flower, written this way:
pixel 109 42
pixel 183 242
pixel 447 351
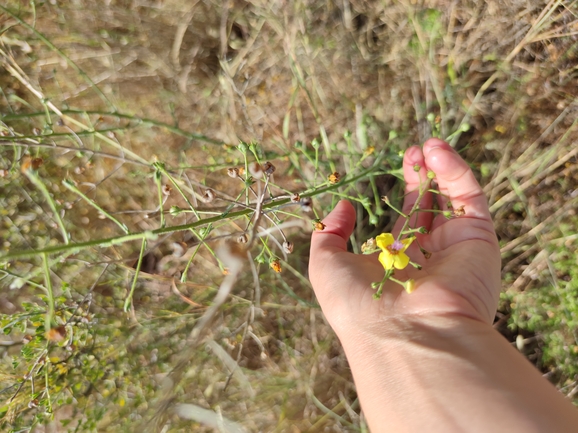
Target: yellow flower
pixel 393 252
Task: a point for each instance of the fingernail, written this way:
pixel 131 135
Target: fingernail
pixel 434 143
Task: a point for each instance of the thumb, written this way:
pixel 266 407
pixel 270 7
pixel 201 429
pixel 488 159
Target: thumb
pixel 333 239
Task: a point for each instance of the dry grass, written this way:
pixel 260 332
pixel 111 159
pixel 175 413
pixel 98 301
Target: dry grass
pixel 277 74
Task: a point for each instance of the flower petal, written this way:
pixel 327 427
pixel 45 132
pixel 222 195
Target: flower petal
pixel 406 243
pixel 400 260
pixel 387 259
pixel 384 240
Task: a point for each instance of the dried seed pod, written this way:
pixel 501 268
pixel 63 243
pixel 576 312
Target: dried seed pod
pixel 306 204
pixel 319 226
pixel 425 253
pixel 242 238
pixel 268 168
pixel 334 178
pixel 56 334
pixel 31 163
pixel 166 190
pixel 232 255
pixel 209 195
pixel 276 266
pixel 256 170
pixel 368 246
pixel 459 212
pixel 295 198
pixel 233 172
pixel 288 247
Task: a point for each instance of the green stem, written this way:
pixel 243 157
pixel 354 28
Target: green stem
pixel 128 300
pixel 35 179
pixel 70 185
pixel 140 120
pixel 49 292
pixel 152 234
pixel 158 181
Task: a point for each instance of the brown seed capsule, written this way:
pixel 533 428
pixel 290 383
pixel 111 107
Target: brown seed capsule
pixel 209 195
pixel 459 212
pixel 288 247
pixel 425 253
pixel 276 266
pixel 295 198
pixel 268 168
pixel 242 239
pixel 334 178
pixel 256 170
pixel 167 190
pixel 30 163
pixel 56 334
pixel 306 204
pixel 368 246
pixel 36 131
pixel 319 226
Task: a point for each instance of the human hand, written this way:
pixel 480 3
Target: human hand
pixel 461 278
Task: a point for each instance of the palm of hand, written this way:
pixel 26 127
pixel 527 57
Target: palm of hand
pixel 461 277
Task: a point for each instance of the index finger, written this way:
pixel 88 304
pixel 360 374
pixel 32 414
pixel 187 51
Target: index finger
pixel 456 180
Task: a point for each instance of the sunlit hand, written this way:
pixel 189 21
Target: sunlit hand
pixel 461 278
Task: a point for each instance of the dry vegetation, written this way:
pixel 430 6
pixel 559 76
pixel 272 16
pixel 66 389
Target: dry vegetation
pixel 101 90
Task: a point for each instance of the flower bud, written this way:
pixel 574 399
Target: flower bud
pixel 175 210
pixel 242 147
pixel 431 174
pixel 409 285
pixel 416 168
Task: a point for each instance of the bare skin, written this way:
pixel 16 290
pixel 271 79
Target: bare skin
pixel 430 360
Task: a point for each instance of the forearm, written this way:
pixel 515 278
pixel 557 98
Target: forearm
pixel 451 375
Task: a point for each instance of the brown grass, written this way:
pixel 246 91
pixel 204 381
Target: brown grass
pixel 275 73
